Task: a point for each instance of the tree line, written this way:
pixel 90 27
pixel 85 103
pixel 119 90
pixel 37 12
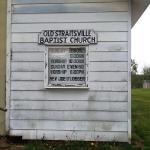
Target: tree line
pixel 137 80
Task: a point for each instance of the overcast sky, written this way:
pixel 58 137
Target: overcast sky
pixel 141 41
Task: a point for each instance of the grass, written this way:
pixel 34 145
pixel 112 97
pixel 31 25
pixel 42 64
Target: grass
pixel 141 117
pixel 140 130
pixel 78 146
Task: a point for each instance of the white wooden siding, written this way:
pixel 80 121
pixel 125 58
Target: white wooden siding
pixel 70 17
pixel 69 115
pixel 93 56
pixel 69 8
pixel 102 36
pixel 77 95
pixel 108 66
pixel 69 105
pixel 27 66
pixel 21 66
pixel 93 76
pixel 101 26
pixel 60 1
pixel 101 46
pixel 94 86
pixel 84 135
pixel 68 125
pixel 98 113
pixel 71 135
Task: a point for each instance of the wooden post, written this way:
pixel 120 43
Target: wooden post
pixel 2 64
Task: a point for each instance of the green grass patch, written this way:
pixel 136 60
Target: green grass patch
pixel 72 145
pixel 141 116
pixel 140 131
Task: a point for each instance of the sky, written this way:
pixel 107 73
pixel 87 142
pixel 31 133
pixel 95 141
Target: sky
pixel 140 45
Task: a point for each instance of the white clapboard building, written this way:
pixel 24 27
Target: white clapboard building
pixel 68 69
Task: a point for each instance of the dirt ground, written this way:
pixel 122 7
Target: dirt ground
pixel 7 144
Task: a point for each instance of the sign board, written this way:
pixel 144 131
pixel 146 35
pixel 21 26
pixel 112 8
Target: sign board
pixel 66 66
pixel 67 37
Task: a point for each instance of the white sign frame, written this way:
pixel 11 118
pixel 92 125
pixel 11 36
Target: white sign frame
pixel 46 80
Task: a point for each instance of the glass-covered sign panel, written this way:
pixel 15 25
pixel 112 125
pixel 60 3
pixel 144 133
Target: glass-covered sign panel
pixel 67 66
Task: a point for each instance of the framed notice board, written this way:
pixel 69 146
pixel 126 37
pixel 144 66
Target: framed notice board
pixel 66 66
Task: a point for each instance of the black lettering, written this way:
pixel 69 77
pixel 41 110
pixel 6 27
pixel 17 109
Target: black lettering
pixel 58 60
pixel 57 66
pixel 47 40
pixel 93 40
pixel 51 33
pixel 76 55
pixel 76 60
pixel 77 50
pixel 53 78
pixel 75 66
pixel 76 71
pixel 57 33
pixel 62 79
pixel 42 40
pixel 58 71
pixel 45 33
